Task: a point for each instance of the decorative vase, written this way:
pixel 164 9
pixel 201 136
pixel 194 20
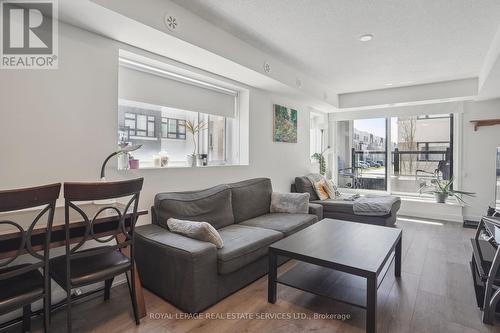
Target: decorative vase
pixel 163 159
pixel 123 162
pixel 133 163
pixel 441 197
pixel 191 160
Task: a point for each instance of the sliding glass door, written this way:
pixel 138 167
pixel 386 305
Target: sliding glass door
pixel 409 151
pixel 362 154
pixel 422 150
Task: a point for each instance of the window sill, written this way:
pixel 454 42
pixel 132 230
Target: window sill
pixel 183 167
pixel 145 138
pixel 430 200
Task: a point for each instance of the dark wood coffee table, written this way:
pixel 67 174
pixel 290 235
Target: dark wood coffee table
pixel 335 257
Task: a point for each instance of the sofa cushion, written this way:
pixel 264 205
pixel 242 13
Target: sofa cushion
pixel 213 205
pixel 243 245
pixel 336 206
pixel 304 185
pixel 282 222
pixel 347 206
pixel 251 198
pixel 293 203
pixel 197 230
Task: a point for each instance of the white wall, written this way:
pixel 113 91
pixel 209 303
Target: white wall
pixel 58 125
pixel 479 157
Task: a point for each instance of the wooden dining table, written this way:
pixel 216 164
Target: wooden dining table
pixel 105 224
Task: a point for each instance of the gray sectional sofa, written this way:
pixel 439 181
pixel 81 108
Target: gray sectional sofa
pixel 192 274
pixel 342 209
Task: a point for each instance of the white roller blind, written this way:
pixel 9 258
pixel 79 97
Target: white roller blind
pixel 155 88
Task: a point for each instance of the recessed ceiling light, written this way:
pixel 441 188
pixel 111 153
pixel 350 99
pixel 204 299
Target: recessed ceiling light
pixel 389 84
pixel 365 38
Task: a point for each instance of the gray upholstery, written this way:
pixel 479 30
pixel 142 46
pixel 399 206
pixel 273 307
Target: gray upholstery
pixel 192 274
pixel 343 209
pixel 316 209
pixel 282 222
pixel 303 185
pixel 212 205
pixel 181 270
pixel 232 282
pixel 336 206
pixel 243 245
pixel 251 198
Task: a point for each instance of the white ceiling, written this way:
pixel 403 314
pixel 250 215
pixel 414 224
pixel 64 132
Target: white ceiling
pixel 416 41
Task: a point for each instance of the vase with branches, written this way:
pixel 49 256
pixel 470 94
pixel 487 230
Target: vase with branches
pixel 442 189
pixel 320 157
pixel 194 129
pixel 321 161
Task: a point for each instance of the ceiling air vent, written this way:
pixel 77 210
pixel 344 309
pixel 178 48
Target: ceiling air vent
pixel 171 22
pixel 267 67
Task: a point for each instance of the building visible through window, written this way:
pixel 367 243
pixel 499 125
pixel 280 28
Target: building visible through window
pixel 173 128
pixel 155 104
pixel 163 130
pixel 416 150
pixel 137 124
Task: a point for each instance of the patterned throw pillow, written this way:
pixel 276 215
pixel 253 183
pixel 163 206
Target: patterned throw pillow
pixel 320 188
pixel 331 189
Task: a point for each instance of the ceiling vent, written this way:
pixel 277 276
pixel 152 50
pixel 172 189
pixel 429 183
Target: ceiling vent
pixel 171 22
pixel 267 67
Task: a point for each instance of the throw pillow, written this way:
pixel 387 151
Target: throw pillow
pixel 197 230
pixel 293 203
pixel 331 189
pixel 320 188
pixel 314 177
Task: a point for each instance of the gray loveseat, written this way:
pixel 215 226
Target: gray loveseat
pixel 344 210
pixel 193 274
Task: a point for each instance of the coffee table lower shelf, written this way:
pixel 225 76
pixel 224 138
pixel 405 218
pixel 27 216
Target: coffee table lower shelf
pixel 333 284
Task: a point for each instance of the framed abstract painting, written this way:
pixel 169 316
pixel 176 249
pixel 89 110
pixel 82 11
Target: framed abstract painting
pixel 284 124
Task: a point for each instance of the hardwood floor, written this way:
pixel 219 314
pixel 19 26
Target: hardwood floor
pixel 434 294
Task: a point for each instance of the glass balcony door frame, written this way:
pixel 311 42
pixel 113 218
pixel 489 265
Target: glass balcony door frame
pixel 388 158
pixel 455 161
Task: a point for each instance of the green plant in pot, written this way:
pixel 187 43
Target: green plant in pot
pixel 322 163
pixel 442 189
pixel 194 130
pixel 320 157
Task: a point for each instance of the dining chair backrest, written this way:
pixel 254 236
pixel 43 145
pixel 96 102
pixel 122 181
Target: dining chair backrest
pixel 19 229
pixel 75 193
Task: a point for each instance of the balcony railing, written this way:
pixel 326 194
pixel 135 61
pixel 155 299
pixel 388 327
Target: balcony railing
pixel 410 168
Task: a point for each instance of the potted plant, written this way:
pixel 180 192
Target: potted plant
pixel 321 161
pixel 442 189
pixel 193 130
pixel 320 157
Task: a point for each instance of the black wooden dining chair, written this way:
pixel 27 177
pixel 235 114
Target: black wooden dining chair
pixel 79 267
pixel 23 284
